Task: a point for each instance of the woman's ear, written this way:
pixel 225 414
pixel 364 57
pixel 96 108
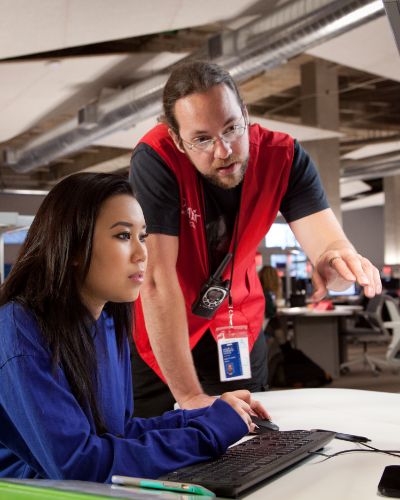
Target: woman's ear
pixel 176 140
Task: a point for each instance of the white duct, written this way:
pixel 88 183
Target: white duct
pixel 290 30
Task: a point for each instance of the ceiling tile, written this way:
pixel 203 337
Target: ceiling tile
pixel 32 92
pixel 373 150
pixel 28 27
pixel 370 48
pixel 375 200
pixel 300 132
pixel 352 188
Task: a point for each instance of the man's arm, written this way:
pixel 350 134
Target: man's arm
pixel 323 240
pixel 166 322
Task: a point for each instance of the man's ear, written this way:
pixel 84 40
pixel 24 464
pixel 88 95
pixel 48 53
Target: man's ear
pixel 175 138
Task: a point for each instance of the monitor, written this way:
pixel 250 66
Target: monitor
pixel 280 236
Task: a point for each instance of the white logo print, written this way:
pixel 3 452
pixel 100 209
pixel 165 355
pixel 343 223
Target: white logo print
pixel 190 213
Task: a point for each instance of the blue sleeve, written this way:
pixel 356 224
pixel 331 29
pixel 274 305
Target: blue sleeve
pixel 304 195
pixel 43 425
pixel 170 420
pixel 135 427
pixel 201 438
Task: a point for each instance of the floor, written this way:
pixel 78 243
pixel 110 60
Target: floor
pixel 360 377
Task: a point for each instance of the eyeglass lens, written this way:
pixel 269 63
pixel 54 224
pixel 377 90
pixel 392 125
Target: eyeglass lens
pixel 229 137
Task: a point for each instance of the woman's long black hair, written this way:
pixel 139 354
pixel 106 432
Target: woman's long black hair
pixel 43 280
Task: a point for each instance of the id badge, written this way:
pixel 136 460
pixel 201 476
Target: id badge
pixel 233 353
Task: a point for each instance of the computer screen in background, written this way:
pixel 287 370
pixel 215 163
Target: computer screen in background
pixel 281 236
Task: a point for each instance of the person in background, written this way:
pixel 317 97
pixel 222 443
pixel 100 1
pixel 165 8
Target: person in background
pixel 272 288
pixel 65 377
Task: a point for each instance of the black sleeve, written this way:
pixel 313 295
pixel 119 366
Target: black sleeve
pixel 305 194
pixel 157 191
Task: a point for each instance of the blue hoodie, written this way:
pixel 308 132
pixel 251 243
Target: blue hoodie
pixel 44 433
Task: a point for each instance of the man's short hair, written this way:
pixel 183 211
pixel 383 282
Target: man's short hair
pixel 193 77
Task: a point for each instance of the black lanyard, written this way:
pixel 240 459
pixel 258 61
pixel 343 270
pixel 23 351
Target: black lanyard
pixel 234 245
pixel 202 203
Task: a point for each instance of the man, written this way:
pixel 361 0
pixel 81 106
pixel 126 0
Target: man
pixel 195 175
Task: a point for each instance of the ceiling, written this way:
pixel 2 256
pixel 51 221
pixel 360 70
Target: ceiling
pixel 57 56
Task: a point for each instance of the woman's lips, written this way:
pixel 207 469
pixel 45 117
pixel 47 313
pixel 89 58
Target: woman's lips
pixel 138 277
pixel 229 169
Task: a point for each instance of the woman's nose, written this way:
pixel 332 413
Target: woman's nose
pixel 139 252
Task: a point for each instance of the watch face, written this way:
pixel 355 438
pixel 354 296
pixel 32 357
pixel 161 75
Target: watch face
pixel 213 297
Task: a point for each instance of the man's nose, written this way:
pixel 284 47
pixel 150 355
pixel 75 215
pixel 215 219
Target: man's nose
pixel 222 149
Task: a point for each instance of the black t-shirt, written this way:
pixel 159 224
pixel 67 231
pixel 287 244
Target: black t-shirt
pixel 159 196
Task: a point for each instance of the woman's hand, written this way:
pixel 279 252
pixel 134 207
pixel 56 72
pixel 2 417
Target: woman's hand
pixel 241 402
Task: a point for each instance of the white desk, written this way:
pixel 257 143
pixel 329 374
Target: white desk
pixel 353 476
pixel 316 333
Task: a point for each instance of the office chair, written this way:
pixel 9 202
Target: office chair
pixel 393 352
pixel 375 331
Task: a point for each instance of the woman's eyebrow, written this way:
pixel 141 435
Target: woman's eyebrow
pixel 121 223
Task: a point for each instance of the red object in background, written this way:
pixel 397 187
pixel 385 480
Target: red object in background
pixel 308 268
pixel 386 270
pixel 324 305
pixel 280 274
pixel 258 259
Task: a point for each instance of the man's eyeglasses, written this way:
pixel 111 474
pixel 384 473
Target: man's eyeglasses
pixel 234 133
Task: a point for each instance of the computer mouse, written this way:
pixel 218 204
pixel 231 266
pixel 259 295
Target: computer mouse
pixel 264 425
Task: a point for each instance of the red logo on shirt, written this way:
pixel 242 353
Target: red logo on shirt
pixel 192 214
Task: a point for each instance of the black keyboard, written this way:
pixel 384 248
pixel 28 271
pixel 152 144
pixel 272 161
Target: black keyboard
pixel 253 461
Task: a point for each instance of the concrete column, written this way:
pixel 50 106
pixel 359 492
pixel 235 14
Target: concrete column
pixel 392 219
pixel 320 108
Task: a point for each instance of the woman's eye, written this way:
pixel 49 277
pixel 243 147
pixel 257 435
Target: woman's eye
pixel 143 237
pixel 126 235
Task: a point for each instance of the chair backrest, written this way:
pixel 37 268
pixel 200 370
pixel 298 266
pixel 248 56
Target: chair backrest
pixel 393 352
pixel 373 312
pixel 375 304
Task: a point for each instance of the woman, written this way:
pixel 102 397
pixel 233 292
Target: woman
pixel 65 380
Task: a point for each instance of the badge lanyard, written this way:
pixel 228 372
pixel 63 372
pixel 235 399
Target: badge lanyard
pixel 233 342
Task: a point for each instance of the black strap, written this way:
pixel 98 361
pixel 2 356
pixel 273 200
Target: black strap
pixel 234 246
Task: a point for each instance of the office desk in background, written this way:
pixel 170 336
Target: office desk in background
pixel 316 333
pixel 352 476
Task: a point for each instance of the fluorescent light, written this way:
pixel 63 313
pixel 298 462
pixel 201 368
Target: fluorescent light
pixel 23 191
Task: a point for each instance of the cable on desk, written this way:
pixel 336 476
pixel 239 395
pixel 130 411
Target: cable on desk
pixel 393 453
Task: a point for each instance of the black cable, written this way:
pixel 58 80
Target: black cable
pixel 392 453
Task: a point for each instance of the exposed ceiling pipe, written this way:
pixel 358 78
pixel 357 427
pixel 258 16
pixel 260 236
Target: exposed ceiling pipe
pixel 269 41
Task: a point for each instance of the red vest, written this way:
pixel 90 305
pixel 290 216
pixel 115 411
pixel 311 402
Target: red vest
pixel 265 183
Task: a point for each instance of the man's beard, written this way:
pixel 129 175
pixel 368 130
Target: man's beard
pixel 231 180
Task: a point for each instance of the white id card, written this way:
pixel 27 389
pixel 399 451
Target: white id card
pixel 233 353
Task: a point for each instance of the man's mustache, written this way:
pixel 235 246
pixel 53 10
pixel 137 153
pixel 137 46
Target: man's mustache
pixel 219 163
